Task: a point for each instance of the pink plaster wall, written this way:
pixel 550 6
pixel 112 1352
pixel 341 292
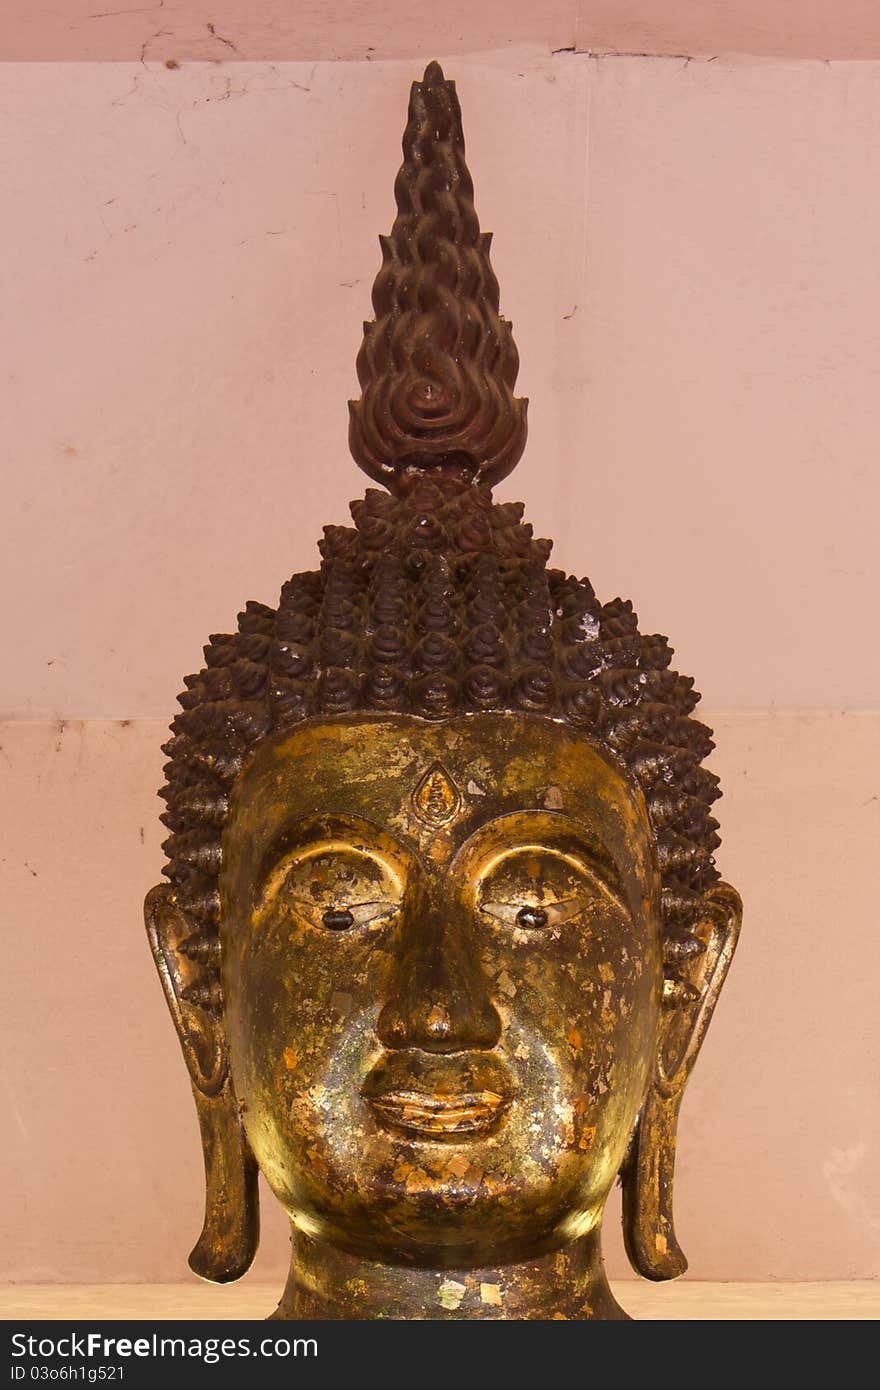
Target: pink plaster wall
pixel 688 254
pixel 345 30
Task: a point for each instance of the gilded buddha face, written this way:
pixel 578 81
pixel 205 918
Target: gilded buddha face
pixel 442 981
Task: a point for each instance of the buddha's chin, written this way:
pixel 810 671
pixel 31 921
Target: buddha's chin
pixel 469 1218
pixel 489 1238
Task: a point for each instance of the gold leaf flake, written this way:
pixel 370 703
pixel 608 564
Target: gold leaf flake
pixel 438 1016
pixel 457 1165
pixel 450 1294
pixel 417 1180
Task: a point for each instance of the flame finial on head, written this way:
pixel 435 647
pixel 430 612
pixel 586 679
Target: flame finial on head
pixel 438 366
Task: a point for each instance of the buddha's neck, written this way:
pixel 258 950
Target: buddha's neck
pixel 327 1283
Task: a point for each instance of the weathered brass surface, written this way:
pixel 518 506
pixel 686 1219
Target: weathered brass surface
pixel 443 931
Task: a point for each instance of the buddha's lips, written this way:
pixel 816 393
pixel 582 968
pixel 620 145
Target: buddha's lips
pixel 440 1116
pixel 444 1097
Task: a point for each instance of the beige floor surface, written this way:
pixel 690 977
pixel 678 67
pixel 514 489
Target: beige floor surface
pixel 687 1301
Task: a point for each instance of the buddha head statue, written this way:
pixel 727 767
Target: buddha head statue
pixel 442 931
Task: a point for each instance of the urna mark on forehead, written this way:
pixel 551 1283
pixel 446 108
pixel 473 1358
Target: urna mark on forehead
pixel 434 784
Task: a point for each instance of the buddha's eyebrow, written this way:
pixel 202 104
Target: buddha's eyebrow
pixel 606 874
pixel 274 872
pixel 306 837
pixel 585 855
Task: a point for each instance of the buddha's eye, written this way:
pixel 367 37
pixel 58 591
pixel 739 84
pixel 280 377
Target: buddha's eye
pixel 336 888
pixel 533 916
pixel 535 889
pixel 344 918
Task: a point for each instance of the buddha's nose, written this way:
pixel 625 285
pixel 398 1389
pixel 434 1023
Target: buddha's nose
pixel 439 998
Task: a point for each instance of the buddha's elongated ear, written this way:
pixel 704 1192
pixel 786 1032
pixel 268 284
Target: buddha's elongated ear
pixel 228 1242
pixel 648 1170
